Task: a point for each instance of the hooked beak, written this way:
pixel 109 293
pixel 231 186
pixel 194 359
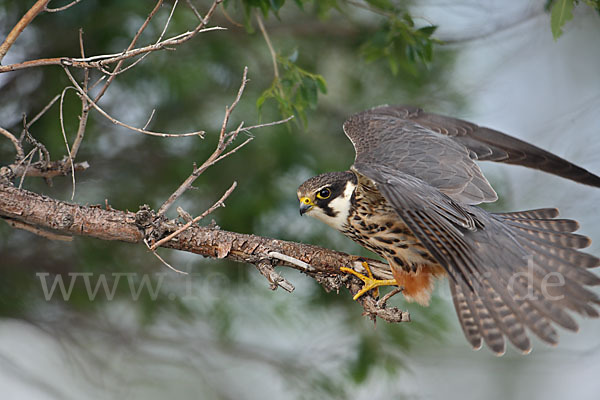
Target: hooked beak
pixel 305 205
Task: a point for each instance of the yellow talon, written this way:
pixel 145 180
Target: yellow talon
pixel 370 281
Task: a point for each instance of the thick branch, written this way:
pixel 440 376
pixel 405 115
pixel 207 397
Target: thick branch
pixel 92 221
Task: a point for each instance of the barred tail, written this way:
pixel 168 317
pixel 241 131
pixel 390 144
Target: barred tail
pixel 505 302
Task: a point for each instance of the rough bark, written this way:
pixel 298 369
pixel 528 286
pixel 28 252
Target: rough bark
pixel 106 223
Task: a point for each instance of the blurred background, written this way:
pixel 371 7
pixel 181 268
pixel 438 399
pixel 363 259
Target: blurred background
pixel 220 333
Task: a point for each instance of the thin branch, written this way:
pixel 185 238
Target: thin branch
pixel 63 8
pixel 64 134
pixel 41 169
pixel 163 261
pixel 116 57
pixel 37 8
pixel 136 62
pixel 222 156
pixel 131 46
pixel 275 280
pixel 99 61
pixel 162 34
pixel 228 17
pixel 27 158
pixel 221 146
pixel 43 151
pixel 291 260
pixel 229 109
pixel 218 203
pixel 195 11
pixel 272 123
pixel 269 45
pixel 85 112
pixel 117 122
pixel 149 118
pixel 15 142
pixel 37 231
pixel 39 115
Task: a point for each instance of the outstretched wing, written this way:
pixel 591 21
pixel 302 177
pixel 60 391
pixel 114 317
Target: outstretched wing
pixel 501 266
pixel 441 150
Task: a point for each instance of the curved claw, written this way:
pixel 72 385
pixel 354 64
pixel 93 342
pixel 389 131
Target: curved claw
pixel 370 281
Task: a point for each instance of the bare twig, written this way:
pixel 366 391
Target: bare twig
pixel 44 154
pixel 45 168
pixel 131 46
pixel 230 152
pixel 85 112
pixel 64 134
pixel 37 8
pixel 219 203
pixel 269 45
pixel 195 11
pixel 162 34
pixel 163 261
pixel 63 8
pixel 383 301
pixel 282 121
pixel 149 118
pixel 99 61
pixel 291 260
pixel 225 139
pixel 41 169
pixel 27 158
pixel 39 115
pixel 15 142
pixel 38 231
pixel 275 280
pixel 228 17
pixel 117 122
pixel 133 64
pixel 221 146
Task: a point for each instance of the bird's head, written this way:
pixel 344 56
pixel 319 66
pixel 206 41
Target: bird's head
pixel 328 197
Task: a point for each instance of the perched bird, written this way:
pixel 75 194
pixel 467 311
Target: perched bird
pixel 411 197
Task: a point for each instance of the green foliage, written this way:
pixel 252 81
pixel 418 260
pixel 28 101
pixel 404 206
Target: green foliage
pixel 295 90
pixel 561 12
pixel 405 46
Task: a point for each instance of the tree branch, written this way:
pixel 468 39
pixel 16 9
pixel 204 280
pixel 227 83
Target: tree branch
pixel 37 8
pixel 15 142
pixel 41 169
pixel 109 224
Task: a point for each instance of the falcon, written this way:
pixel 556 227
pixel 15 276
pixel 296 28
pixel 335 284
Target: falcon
pixel 411 197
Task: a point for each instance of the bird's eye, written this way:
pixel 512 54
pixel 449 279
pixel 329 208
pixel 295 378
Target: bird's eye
pixel 324 193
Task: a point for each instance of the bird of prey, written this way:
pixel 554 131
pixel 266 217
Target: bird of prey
pixel 411 197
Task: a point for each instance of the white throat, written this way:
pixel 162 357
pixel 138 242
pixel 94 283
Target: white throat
pixel 340 205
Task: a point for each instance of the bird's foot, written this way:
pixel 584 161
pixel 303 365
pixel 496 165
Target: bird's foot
pixel 369 280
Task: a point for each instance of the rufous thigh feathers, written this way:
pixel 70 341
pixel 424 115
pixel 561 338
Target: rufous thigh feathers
pixel 418 285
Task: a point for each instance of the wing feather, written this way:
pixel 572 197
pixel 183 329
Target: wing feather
pixel 498 263
pixel 478 142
